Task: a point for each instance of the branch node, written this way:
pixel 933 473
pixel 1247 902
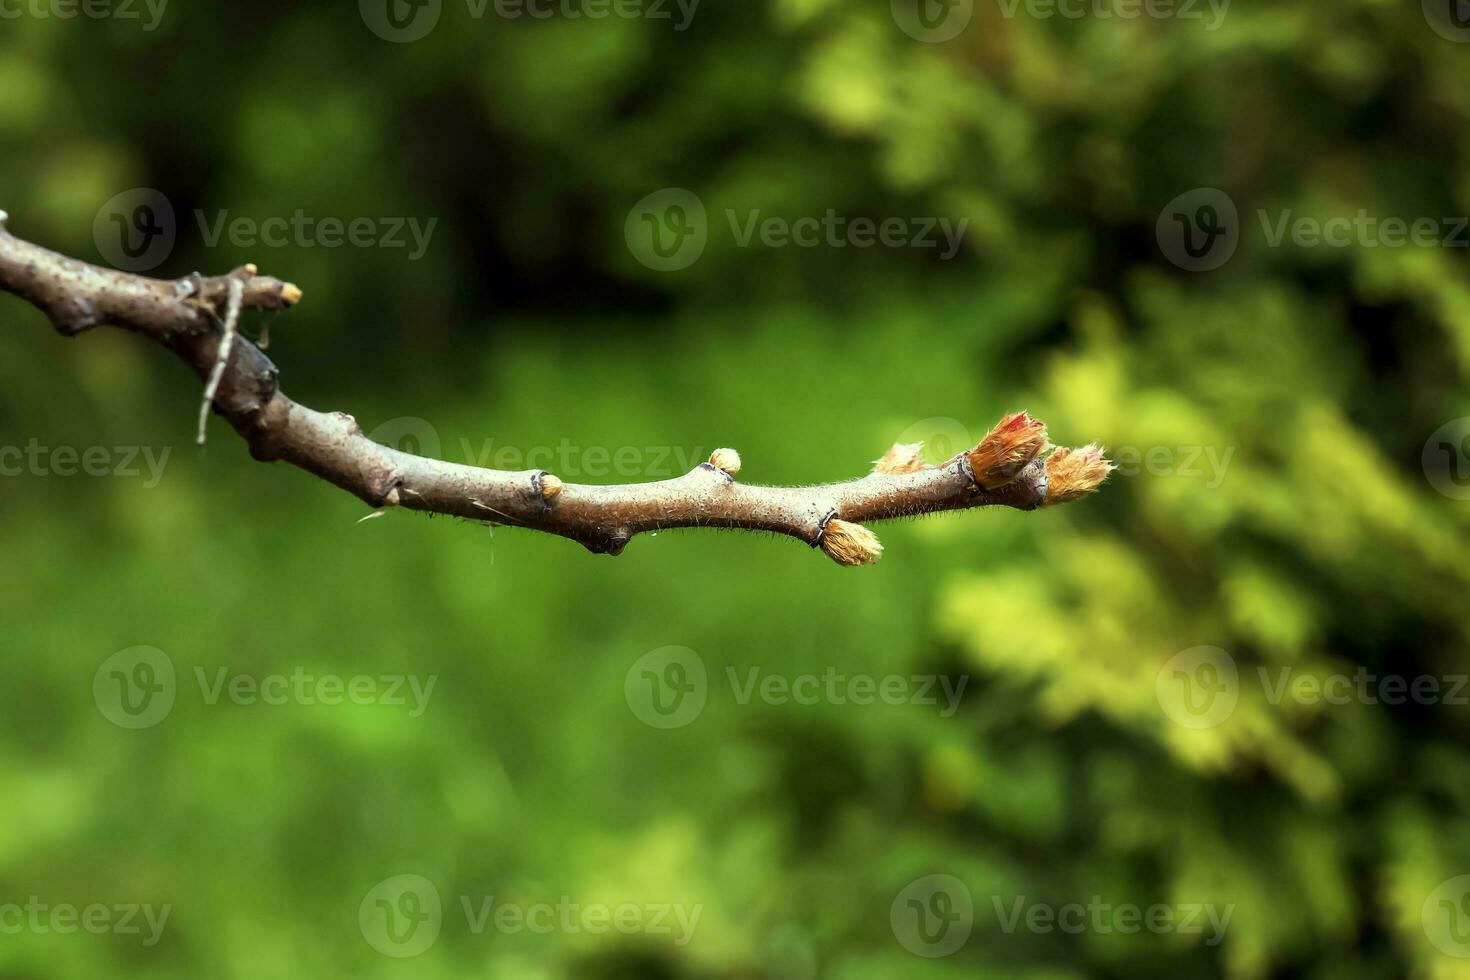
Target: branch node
pixel 353 429
pixel 74 315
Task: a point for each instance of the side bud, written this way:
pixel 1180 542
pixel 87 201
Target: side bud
pixel 902 457
pixel 850 544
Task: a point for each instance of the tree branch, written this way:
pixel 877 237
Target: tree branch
pixel 192 317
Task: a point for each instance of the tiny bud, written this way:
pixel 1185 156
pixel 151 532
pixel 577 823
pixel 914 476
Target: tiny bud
pixel 251 268
pixel 290 294
pixel 392 499
pixel 902 457
pixel 725 459
pixel 1006 450
pixel 550 487
pixel 850 544
pixel 1073 473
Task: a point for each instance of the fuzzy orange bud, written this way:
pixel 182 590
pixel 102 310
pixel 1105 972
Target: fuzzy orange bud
pixel 1073 473
pixel 1002 454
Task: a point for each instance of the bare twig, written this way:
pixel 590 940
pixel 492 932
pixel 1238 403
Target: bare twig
pixel 196 318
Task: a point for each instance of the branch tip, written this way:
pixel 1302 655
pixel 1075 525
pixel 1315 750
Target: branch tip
pixel 902 457
pixel 1073 473
pixel 1015 441
pixel 849 544
pixel 725 459
pixel 290 293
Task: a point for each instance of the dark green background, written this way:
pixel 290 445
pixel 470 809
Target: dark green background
pixel 1323 547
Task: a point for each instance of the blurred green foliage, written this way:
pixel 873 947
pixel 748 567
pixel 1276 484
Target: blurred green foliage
pixel 1312 376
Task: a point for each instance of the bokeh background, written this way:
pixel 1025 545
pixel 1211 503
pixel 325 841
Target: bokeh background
pixel 1327 537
